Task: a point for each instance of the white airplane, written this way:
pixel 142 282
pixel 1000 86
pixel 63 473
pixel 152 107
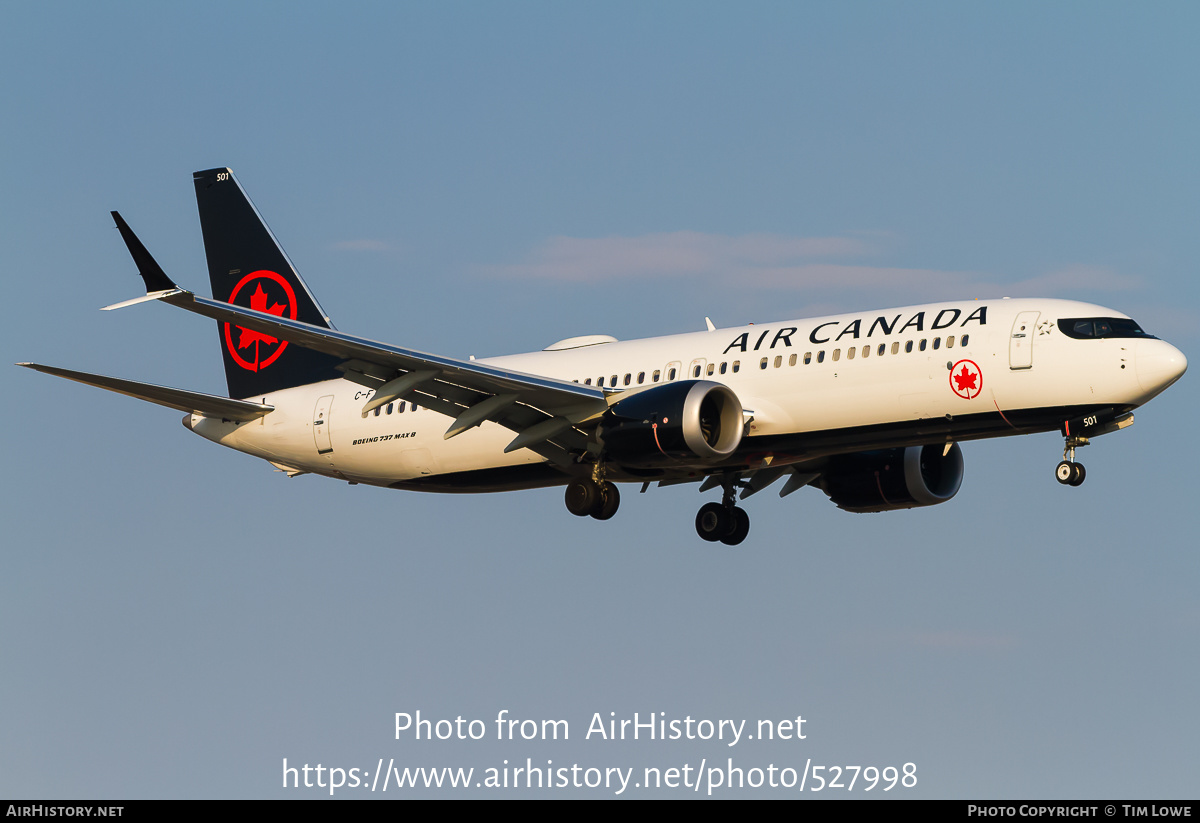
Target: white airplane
pixel 868 406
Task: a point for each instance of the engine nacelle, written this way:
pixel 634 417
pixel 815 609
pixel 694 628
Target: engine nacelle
pixel 693 422
pixel 891 479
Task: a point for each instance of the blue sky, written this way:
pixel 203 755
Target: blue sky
pixel 176 619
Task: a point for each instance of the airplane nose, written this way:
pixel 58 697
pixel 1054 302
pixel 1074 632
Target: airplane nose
pixel 1158 364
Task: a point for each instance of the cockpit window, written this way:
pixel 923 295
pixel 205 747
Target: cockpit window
pixel 1086 328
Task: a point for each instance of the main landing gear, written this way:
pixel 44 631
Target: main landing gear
pixel 1068 472
pixel 715 522
pixel 723 522
pixel 599 499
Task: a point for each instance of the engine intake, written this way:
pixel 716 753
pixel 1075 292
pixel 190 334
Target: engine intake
pixel 693 422
pixel 891 479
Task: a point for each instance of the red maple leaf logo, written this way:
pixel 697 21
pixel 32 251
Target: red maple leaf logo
pixel 258 302
pixel 248 338
pixel 965 380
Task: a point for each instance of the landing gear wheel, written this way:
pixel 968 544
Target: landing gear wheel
pixel 712 522
pixel 1070 474
pixel 1064 472
pixel 739 527
pixel 1080 474
pixel 610 499
pixel 584 497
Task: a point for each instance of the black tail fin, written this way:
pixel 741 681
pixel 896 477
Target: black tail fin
pixel 248 267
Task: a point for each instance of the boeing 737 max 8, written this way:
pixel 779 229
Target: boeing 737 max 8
pixel 868 406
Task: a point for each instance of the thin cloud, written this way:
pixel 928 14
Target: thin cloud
pixel 672 254
pixel 817 276
pixel 825 265
pixel 1075 278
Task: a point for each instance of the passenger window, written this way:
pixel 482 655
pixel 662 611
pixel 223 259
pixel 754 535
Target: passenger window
pixel 882 349
pixel 390 407
pixel 922 346
pixel 723 367
pixel 737 366
pixel 654 377
pixel 850 353
pixel 628 379
pixel 837 355
pixel 792 360
pixel 613 381
pixel 896 347
pixel 600 381
pixel 696 372
pixel 965 338
pixel 821 356
pixel 641 377
pixel 866 351
pixel 908 347
pixel 763 363
pixel 711 367
pixel 587 382
pixel 937 342
pixel 378 409
pixel 671 374
pixel 950 342
pixel 807 357
pixel 778 360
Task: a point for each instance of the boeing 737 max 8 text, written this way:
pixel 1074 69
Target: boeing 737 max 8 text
pixel 868 406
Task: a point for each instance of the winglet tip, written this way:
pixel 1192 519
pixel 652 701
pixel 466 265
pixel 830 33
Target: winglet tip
pixel 152 274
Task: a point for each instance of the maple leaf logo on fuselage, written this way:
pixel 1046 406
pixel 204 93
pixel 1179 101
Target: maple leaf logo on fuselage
pixel 965 380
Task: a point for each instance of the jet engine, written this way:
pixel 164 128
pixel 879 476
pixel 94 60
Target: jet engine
pixel 880 481
pixel 693 422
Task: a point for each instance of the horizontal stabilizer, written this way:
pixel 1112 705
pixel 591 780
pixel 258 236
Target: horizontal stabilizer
pixel 145 298
pixel 209 405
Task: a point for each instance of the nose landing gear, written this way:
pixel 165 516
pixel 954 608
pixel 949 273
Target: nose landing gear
pixel 1068 472
pixel 723 522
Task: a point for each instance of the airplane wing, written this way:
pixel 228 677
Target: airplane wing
pixel 209 405
pixel 543 412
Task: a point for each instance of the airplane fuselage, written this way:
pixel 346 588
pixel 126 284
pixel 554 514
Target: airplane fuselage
pixel 810 388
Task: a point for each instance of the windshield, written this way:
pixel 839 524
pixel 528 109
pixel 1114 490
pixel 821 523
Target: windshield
pixel 1082 328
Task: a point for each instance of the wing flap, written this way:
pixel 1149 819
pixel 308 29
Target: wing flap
pixel 543 392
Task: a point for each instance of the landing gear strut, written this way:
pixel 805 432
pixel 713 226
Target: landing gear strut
pixel 1068 472
pixel 599 499
pixel 723 522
